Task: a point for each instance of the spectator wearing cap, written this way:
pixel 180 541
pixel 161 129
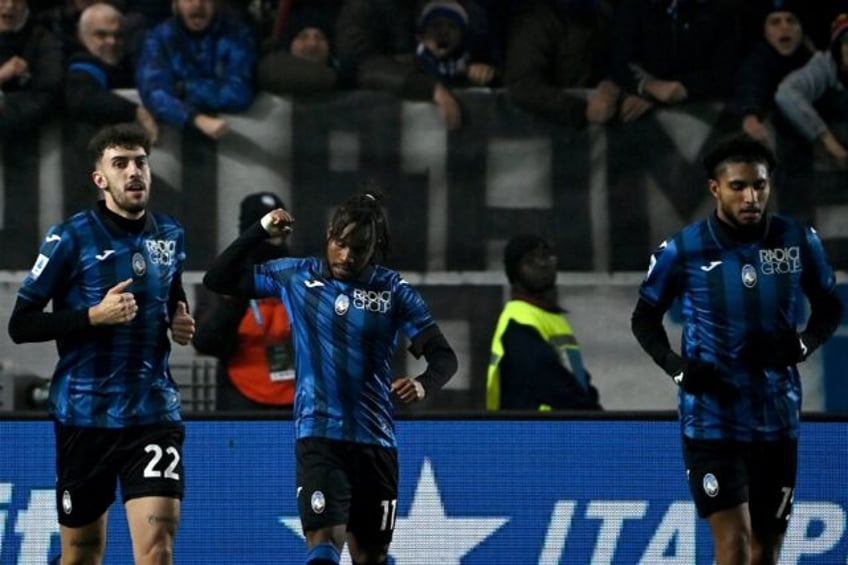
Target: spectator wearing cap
pixel 821 83
pixel 442 49
pixel 781 48
pixel 536 362
pixel 250 338
pixel 302 61
pixel 376 42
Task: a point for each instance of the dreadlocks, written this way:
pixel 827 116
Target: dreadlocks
pixel 364 209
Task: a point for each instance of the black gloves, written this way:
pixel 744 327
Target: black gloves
pixel 774 350
pixel 698 377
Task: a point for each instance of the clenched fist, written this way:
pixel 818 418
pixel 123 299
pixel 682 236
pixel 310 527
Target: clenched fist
pixel 278 222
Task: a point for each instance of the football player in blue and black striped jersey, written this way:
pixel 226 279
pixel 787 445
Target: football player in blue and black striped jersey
pixel 114 276
pixel 741 276
pixel 346 312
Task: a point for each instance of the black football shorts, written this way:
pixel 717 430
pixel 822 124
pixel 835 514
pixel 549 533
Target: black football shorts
pixel 89 462
pixel 341 482
pixel 724 474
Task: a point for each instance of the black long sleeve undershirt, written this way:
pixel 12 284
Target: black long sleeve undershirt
pixel 825 314
pixel 441 359
pixel 230 273
pixel 30 323
pixel 647 326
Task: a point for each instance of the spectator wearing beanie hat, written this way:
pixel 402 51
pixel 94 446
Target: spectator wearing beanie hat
pixel 442 50
pixel 824 75
pixel 302 62
pixel 781 47
pixel 754 15
pixel 536 363
pixel 251 339
pixel 376 44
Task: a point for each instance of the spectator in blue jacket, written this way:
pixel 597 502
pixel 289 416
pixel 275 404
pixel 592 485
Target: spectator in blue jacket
pixel 195 65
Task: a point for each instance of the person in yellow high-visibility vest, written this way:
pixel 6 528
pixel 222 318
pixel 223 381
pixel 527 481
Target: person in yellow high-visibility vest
pixel 536 362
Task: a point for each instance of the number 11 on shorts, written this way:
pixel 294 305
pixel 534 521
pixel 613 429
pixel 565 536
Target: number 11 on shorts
pixel 389 514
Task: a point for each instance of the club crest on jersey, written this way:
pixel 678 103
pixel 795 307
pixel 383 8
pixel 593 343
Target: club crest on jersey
pixel 342 304
pixel 749 276
pixel 317 502
pixel 139 265
pixel 67 507
pixel 161 251
pixel 710 485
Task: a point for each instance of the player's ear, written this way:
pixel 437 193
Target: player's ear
pixel 712 184
pixel 99 180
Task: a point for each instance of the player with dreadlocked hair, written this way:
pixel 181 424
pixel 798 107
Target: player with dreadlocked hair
pixel 364 209
pixel 346 311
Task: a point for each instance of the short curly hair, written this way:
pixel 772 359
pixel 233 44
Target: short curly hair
pixel 117 135
pixel 739 148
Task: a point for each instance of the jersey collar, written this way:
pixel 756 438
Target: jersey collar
pixel 115 229
pixel 727 235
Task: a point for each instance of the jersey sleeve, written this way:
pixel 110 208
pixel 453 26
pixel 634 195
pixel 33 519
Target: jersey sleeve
pixel 818 275
pixel 413 312
pixel 662 281
pixel 271 277
pixel 53 267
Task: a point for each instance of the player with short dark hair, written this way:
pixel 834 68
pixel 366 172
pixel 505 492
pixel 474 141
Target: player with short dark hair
pixel 346 312
pixel 114 276
pixel 740 276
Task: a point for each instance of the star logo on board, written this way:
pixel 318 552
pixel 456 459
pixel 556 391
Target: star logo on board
pixel 427 534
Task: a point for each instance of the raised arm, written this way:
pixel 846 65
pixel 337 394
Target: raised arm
pixel 229 272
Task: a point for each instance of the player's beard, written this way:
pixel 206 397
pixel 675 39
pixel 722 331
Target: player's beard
pixel 130 202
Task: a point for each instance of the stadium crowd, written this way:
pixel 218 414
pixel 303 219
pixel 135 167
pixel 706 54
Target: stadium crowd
pixel 191 60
